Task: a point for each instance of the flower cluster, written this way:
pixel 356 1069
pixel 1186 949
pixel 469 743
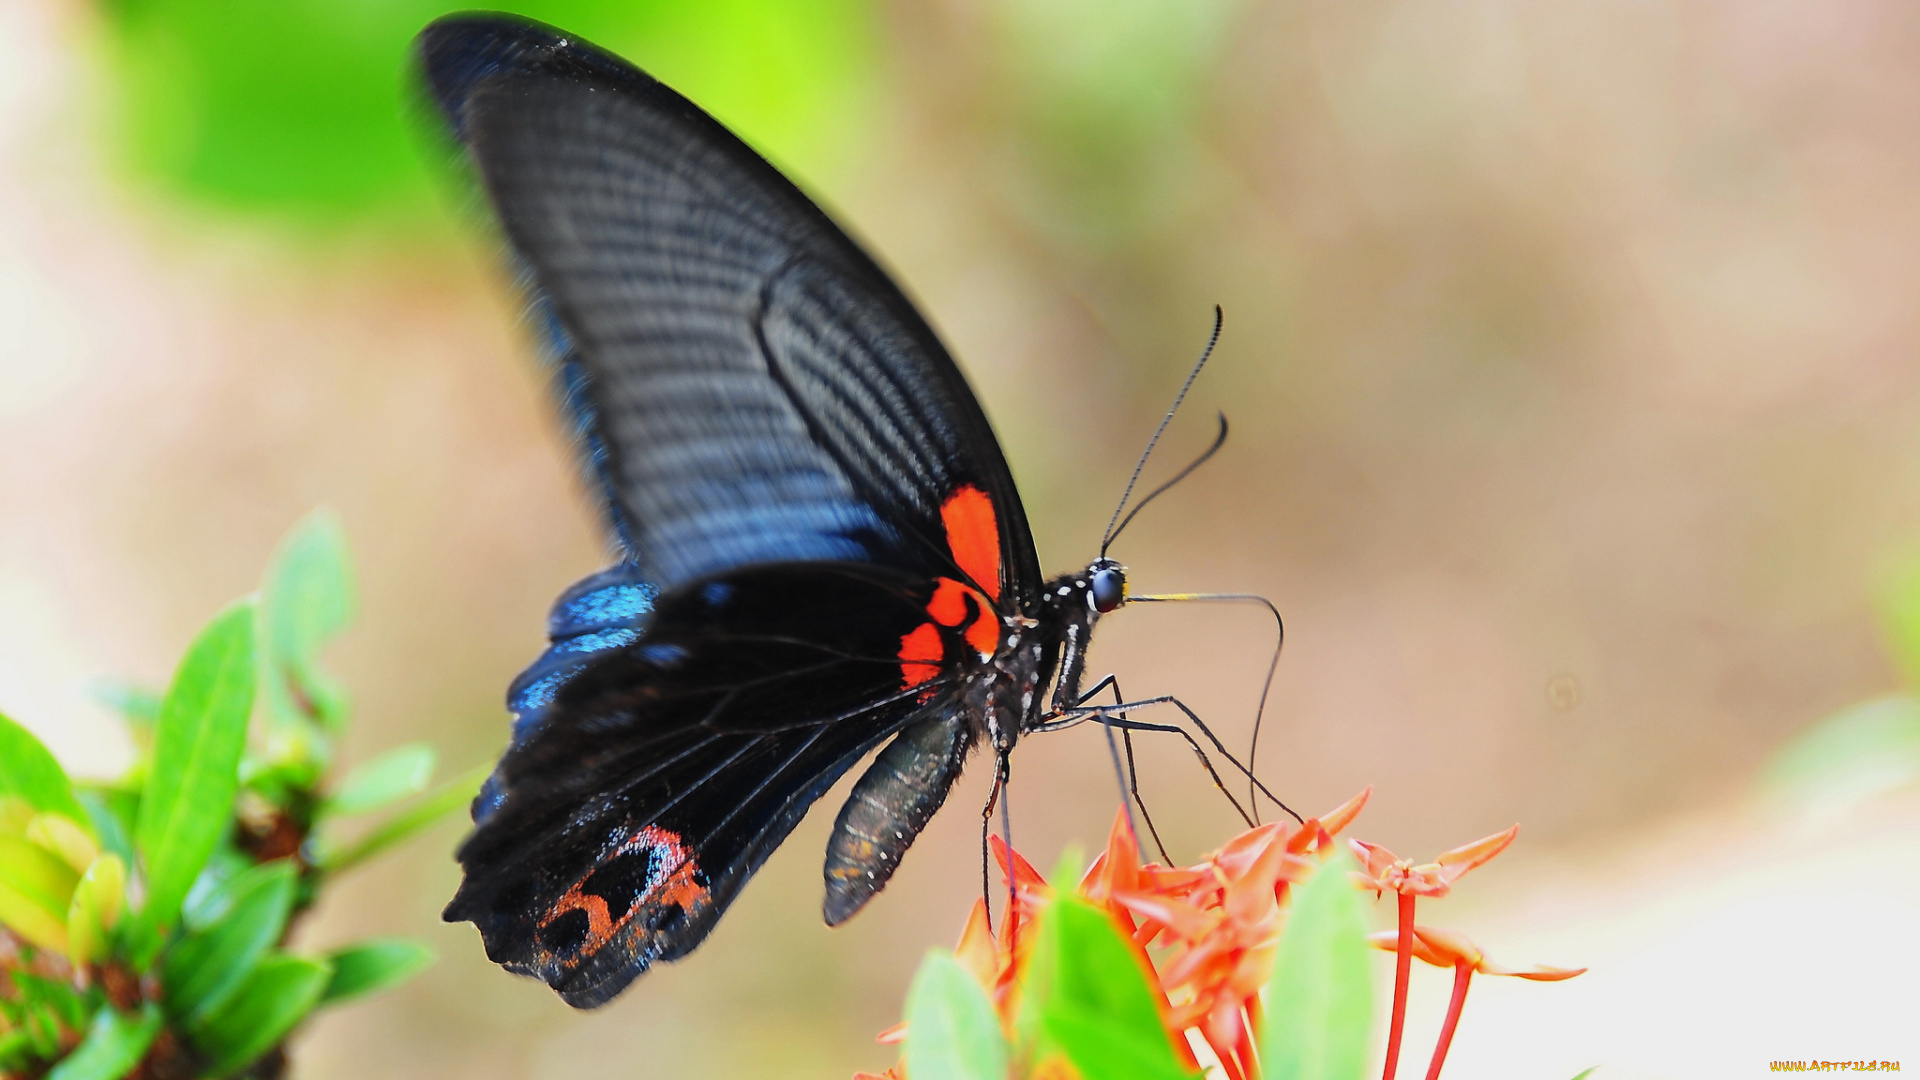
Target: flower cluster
pixel 1387 872
pixel 1206 935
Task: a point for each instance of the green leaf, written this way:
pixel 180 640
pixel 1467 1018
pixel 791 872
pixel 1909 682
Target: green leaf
pixel 289 773
pixel 29 771
pixel 1070 866
pixel 201 971
pixel 1584 1073
pixel 111 811
pixel 16 1051
pixel 65 838
pixel 1088 998
pixel 44 1033
pixel 35 889
pixel 952 1032
pixel 307 599
pixel 291 108
pixel 279 993
pixel 115 1043
pixel 97 902
pixel 1319 1003
pixel 16 814
pixel 188 803
pixel 44 1005
pixel 136 704
pixel 396 774
pixel 1862 751
pixel 368 967
pixel 212 893
pixel 448 797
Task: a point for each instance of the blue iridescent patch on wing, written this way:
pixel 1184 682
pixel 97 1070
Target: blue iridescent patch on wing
pixel 613 599
pixel 597 615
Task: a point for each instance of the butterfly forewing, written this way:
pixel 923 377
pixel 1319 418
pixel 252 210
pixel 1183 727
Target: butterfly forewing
pixel 763 390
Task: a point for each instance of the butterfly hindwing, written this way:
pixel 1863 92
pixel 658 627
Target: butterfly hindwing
pixel 647 785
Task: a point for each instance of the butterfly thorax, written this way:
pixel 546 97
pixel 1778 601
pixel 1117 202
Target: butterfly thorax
pixel 1008 694
pixel 1068 608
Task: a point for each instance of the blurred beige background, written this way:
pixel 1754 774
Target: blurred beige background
pixel 1574 368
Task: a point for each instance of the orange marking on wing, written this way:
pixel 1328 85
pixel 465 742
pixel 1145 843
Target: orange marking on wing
pixel 920 654
pixel 679 884
pixel 973 534
pixel 599 926
pixel 680 888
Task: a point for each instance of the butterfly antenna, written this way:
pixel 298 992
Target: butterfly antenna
pixel 1218 441
pixel 1114 524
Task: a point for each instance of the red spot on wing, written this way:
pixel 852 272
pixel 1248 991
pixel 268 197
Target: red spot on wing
pixel 953 606
pixel 984 633
pixel 957 605
pixel 973 535
pixel 920 654
pixel 949 604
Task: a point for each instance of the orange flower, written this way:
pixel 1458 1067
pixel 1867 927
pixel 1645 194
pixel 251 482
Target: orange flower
pixel 1218 921
pixel 1448 948
pixel 1386 871
pixel 1215 926
pixel 1213 929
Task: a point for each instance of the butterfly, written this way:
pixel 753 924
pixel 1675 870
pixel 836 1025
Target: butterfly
pixel 822 552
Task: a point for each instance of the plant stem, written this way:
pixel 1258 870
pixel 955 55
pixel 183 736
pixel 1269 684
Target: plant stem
pixel 1462 975
pixel 1249 1059
pixel 436 804
pixel 1229 1064
pixel 1402 972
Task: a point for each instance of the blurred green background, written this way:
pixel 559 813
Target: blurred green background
pixel 1571 355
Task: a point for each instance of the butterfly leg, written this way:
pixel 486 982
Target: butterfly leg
pixel 1133 785
pixel 1130 781
pixel 1222 748
pixel 1080 714
pixel 996 797
pixel 1205 762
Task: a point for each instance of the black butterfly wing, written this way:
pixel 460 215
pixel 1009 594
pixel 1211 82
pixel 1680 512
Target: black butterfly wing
pixel 664 751
pixel 753 386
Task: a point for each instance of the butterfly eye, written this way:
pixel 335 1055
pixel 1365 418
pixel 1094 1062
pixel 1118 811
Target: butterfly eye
pixel 1109 588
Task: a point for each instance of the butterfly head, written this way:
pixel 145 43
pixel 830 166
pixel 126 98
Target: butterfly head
pixel 1107 582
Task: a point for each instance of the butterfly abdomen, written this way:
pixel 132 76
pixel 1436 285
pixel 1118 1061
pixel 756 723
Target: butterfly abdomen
pixel 889 805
